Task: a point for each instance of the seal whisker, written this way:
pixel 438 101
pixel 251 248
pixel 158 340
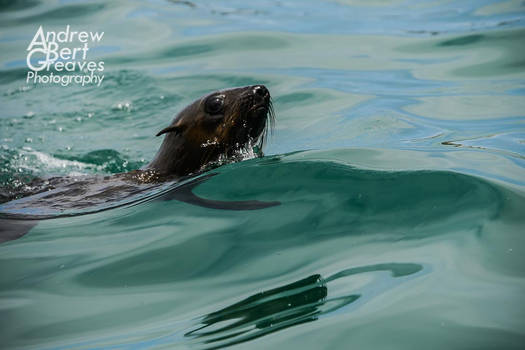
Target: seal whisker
pixel 271 116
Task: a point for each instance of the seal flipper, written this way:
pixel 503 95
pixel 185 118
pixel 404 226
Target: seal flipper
pixel 11 229
pixel 185 194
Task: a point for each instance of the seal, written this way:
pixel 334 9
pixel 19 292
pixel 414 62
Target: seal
pixel 217 128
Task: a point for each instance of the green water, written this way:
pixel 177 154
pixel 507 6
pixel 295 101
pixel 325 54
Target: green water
pixel 397 156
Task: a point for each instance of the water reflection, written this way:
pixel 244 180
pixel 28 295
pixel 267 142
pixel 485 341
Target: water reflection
pixel 296 303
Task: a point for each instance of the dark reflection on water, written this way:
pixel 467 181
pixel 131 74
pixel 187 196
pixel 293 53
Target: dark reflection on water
pixel 463 40
pixel 286 306
pixel 264 313
pixel 13 5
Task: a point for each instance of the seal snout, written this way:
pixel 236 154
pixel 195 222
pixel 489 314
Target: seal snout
pixel 261 91
pixel 260 97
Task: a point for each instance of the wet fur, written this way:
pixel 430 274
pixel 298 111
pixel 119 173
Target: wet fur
pixel 195 139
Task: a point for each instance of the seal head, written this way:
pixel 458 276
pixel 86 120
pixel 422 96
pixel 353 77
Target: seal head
pixel 217 126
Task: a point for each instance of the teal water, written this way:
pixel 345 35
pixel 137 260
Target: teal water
pixel 397 156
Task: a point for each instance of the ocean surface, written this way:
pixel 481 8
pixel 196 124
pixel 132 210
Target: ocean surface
pixel 397 157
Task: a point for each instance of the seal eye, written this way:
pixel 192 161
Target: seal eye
pixel 215 105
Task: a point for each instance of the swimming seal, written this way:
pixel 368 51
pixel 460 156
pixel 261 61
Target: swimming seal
pixel 217 125
pixel 214 129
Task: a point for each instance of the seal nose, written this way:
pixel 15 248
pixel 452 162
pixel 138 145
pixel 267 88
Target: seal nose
pixel 261 90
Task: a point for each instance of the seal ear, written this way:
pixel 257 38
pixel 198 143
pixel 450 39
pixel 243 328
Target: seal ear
pixel 171 128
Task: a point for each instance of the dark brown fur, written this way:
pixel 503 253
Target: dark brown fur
pixel 197 138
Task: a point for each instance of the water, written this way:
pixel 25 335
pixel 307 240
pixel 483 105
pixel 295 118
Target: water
pixel 398 158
